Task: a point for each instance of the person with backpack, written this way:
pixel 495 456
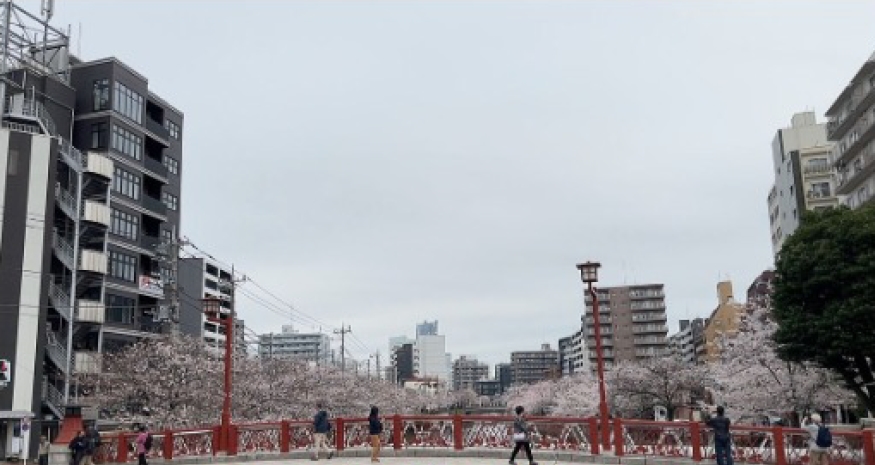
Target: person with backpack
pixel 144 444
pixel 321 427
pixel 722 438
pixel 820 441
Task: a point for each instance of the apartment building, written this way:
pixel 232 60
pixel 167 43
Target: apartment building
pixel 804 177
pixel 531 366
pixel 91 164
pixel 723 322
pixel 402 362
pixel 200 280
pixel 467 370
pixel 851 127
pixel 687 341
pixel 759 293
pixel 633 323
pixel 504 376
pixel 573 355
pixel 291 344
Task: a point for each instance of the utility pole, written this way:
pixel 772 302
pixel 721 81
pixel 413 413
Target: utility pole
pixel 369 367
pixel 379 368
pixel 167 254
pixel 342 331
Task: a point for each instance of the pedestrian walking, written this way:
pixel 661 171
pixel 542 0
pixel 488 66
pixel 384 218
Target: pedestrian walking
pixel 77 448
pixel 144 445
pixel 820 440
pixel 722 438
pixel 521 436
pixel 375 428
pixel 321 427
pixel 44 446
pixel 92 443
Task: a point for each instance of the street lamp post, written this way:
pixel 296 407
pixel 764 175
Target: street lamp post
pixel 589 275
pixel 211 309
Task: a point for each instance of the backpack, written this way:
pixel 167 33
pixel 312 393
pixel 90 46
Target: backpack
pixel 824 437
pixel 147 444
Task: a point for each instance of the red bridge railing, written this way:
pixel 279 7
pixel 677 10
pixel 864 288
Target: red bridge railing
pixel 679 440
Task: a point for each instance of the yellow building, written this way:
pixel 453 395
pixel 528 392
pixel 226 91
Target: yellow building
pixel 724 320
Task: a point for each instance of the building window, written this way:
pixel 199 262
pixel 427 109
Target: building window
pixel 820 190
pixel 126 183
pixel 171 164
pixel 127 142
pixel 122 266
pixel 128 102
pixel 101 94
pixel 172 128
pixel 171 201
pixel 120 309
pixel 99 135
pixel 125 225
pixel 167 236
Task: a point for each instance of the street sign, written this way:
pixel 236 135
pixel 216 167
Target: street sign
pixel 5 372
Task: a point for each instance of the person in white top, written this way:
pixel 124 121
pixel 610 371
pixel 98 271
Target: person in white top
pixel 818 455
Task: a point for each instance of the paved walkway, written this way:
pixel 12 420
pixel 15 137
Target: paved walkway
pixel 407 461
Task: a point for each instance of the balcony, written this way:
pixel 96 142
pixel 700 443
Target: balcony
pixel 92 261
pixel 157 129
pixel 644 329
pixel 99 164
pixel 96 212
pixel 87 362
pixel 864 134
pixel 149 242
pixel 852 175
pixel 154 205
pixel 816 169
pixel 156 167
pixel 56 351
pixel 90 311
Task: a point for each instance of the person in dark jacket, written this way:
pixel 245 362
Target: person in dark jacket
pixel 375 429
pixel 521 436
pixel 321 427
pixel 722 439
pixel 92 443
pixel 77 448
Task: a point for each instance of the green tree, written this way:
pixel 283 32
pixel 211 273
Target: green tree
pixel 824 296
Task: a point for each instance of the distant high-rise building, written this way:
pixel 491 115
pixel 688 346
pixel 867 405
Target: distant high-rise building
pixel 804 177
pixel 573 354
pixel 724 321
pixel 398 341
pixel 532 366
pixel 402 361
pixel 427 328
pixel 851 127
pixel 504 376
pixel 633 323
pixel 290 344
pixel 430 357
pixel 467 370
pixel 686 341
pixel 200 279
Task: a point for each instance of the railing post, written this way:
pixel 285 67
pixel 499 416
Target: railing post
pixel 232 440
pixel 619 440
pixel 593 435
pixel 458 434
pixel 339 435
pixel 396 432
pixel 778 444
pixel 168 445
pixel 285 436
pixel 869 447
pixel 696 441
pixel 218 440
pixel 121 455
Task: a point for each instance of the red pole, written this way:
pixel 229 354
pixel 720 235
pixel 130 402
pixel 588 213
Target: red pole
pixel 696 442
pixel 778 443
pixel 122 452
pixel 226 407
pixel 339 435
pixel 619 440
pixel 600 364
pixel 593 435
pixel 869 447
pixel 168 445
pixel 285 437
pixel 458 436
pixel 396 431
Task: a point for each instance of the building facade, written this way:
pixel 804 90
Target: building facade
pixel 804 177
pixel 723 322
pixel 427 328
pixel 504 376
pixel 292 345
pixel 527 367
pixel 201 279
pixel 633 323
pixel 687 341
pixel 759 293
pixel 573 355
pixel 430 357
pixel 467 370
pixel 402 361
pixel 90 186
pixel 851 128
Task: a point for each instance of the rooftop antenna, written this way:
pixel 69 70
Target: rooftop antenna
pixel 47 9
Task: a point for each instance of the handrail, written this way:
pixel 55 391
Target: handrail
pixel 32 108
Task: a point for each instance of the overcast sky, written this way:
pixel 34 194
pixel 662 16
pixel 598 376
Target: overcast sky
pixel 382 163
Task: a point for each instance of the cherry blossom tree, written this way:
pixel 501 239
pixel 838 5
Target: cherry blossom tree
pixel 575 395
pixel 636 388
pixel 753 381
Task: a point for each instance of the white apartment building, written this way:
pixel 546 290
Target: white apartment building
pixel 573 355
pixel 686 342
pixel 804 177
pixel 290 344
pixel 430 358
pixel 852 127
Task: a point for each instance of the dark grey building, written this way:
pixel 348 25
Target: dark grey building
pixel 90 165
pixel 487 387
pixel 402 360
pixel 532 366
pixel 504 376
pixel 200 279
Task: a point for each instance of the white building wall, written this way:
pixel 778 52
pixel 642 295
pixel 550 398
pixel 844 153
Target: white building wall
pixel 430 357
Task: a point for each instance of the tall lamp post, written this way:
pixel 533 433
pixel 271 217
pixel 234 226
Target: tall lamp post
pixel 589 274
pixel 212 311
